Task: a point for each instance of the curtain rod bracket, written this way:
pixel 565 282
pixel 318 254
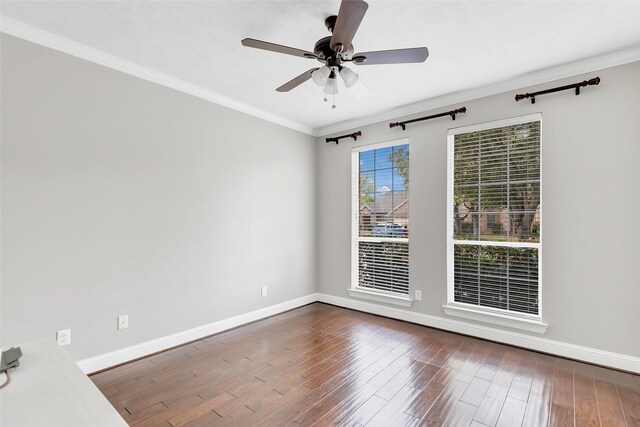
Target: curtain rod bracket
pixel 402 125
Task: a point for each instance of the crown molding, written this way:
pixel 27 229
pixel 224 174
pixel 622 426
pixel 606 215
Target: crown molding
pixel 543 76
pixel 36 35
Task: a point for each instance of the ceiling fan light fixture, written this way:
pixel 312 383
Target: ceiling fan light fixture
pixel 334 50
pixel 350 77
pixel 321 75
pixel 331 88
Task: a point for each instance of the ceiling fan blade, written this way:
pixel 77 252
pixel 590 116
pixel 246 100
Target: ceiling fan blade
pixel 259 44
pixel 395 56
pixel 297 81
pixel 349 19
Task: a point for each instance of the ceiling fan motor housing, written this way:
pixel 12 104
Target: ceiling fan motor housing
pixel 326 54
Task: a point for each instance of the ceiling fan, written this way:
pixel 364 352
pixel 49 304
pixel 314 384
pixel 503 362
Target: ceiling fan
pixel 335 50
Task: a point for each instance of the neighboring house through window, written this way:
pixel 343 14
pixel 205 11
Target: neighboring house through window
pixel 380 201
pixel 494 242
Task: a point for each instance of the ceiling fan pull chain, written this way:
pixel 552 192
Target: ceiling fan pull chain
pixel 334 101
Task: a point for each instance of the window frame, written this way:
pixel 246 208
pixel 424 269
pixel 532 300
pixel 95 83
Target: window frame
pixel 354 289
pixel 512 319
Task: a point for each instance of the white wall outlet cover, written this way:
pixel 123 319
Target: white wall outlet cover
pixel 264 291
pixel 123 321
pixel 64 336
pixel 418 296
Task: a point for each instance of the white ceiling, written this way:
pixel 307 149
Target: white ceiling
pixel 472 44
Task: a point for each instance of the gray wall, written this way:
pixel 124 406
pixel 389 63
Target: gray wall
pixel 120 196
pixel 590 202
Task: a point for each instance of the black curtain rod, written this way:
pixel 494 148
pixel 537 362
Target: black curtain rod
pixel 354 135
pixel 576 86
pixel 451 113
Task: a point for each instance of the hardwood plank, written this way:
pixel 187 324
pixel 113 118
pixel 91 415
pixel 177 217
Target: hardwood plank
pixel 393 386
pixel 630 400
pixel 609 404
pixel 489 411
pixel 439 379
pixel 143 415
pixel 348 403
pixel 360 361
pixel 207 419
pixel 360 416
pixel 327 366
pixel 353 391
pixel 424 377
pixel 473 363
pixel 586 404
pixel 157 415
pixel 169 355
pixel 512 413
pixel 199 409
pixel 285 408
pixel 405 420
pixel 319 390
pixel 523 379
pixel 444 404
pixel 425 399
pixel 562 409
pixel 491 364
pixel 499 388
pixel 391 413
pixel 385 376
pixel 461 416
pixel 539 403
pixel 105 378
pixel 476 391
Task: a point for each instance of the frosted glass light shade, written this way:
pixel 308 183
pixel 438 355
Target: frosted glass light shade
pixel 350 77
pixel 331 87
pixel 321 75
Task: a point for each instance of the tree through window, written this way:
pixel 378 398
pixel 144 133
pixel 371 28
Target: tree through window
pixel 495 216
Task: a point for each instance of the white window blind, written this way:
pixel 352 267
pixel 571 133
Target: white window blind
pixel 380 200
pixel 494 216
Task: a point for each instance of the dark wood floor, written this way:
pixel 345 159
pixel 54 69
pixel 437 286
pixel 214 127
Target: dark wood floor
pixel 323 365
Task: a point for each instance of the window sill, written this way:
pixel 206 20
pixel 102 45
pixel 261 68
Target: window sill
pixel 496 319
pixel 380 297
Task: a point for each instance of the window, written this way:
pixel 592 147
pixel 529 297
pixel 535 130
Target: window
pixel 380 201
pixel 494 217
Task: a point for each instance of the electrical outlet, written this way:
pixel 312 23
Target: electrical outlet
pixel 64 336
pixel 264 291
pixel 123 321
pixel 418 296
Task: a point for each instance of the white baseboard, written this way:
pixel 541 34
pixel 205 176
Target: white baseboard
pixel 572 351
pixel 123 355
